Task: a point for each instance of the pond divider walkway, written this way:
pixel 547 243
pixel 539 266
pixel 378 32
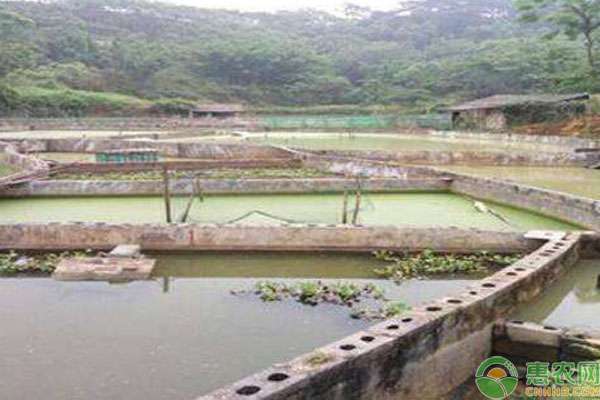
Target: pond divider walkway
pixel 124 264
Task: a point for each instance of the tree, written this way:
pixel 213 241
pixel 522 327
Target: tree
pixel 574 18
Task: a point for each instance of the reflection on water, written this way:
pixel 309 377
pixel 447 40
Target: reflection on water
pixel 577 181
pixel 82 341
pixel 401 209
pixel 574 301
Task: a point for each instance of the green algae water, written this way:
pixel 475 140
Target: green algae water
pixel 400 209
pixel 573 180
pixel 179 335
pixel 573 301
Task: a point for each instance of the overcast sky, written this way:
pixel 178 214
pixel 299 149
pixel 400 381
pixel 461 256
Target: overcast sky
pixel 275 5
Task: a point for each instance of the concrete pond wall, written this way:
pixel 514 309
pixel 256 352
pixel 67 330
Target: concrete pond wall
pixel 579 210
pixel 472 157
pixel 168 149
pixel 24 164
pixel 123 123
pixel 177 237
pixel 424 354
pixel 52 188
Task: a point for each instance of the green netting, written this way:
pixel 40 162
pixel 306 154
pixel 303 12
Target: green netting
pixel 434 121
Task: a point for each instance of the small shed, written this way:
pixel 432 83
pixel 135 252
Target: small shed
pixel 126 156
pixel 497 113
pixel 220 111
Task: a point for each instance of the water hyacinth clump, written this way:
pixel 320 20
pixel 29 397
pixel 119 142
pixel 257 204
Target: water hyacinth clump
pixel 13 263
pixel 344 294
pixel 428 263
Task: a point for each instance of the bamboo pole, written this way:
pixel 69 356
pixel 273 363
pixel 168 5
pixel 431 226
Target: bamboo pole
pixel 167 194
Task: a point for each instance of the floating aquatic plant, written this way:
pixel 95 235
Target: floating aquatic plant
pixel 343 294
pixel 430 263
pixel 13 263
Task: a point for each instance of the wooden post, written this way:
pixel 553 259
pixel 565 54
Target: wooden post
pixel 167 194
pixel 357 202
pixel 345 208
pixel 598 283
pixel 356 208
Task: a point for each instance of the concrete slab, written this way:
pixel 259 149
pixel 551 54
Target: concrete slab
pixel 126 250
pixel 545 235
pixel 111 269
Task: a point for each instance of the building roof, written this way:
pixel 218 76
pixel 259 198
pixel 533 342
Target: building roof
pixel 505 100
pixel 216 108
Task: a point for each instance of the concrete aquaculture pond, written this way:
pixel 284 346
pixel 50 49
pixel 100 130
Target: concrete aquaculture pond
pixel 290 265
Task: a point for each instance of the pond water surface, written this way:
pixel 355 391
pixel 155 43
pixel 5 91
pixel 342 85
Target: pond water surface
pixel 180 335
pixel 401 209
pixel 573 301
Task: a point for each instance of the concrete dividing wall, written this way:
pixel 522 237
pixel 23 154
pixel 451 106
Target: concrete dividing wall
pixel 366 168
pixel 470 157
pixel 26 165
pixel 579 210
pixel 268 238
pixel 182 150
pixel 181 165
pixel 568 142
pixel 123 123
pixel 523 342
pixel 220 186
pixel 423 354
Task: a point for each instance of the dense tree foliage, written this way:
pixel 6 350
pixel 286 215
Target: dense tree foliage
pixel 425 54
pixel 574 18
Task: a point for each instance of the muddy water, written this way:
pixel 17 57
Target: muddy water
pixel 390 142
pixel 574 301
pixel 176 337
pixel 577 181
pixel 401 209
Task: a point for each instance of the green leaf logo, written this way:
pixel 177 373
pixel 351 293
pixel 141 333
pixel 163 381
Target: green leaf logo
pixel 497 378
